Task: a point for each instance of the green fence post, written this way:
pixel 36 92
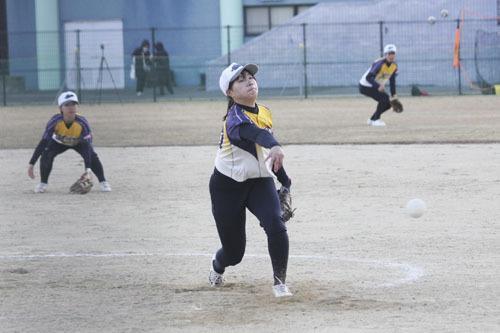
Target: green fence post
pixel 459 64
pixel 152 72
pixel 228 27
pixel 381 37
pixel 78 67
pixel 4 89
pixel 304 54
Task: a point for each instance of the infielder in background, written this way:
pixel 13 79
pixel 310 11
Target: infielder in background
pixel 372 84
pixel 248 159
pixel 66 130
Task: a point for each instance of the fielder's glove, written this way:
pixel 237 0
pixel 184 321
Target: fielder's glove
pixel 287 211
pixel 396 105
pixel 83 185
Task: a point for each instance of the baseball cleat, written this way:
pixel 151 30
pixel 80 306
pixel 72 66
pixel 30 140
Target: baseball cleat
pixel 281 290
pixel 377 123
pixel 41 188
pixel 105 187
pixel 215 279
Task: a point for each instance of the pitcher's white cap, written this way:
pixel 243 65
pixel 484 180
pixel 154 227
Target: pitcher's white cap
pixel 389 48
pixel 231 73
pixel 67 96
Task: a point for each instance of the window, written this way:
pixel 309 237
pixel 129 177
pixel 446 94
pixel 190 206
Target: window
pixel 301 9
pixel 280 15
pixel 259 19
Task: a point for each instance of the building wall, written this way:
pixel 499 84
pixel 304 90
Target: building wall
pixel 171 17
pixel 22 40
pixel 189 30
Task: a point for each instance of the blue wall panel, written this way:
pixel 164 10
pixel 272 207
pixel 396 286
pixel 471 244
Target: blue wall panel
pixel 22 40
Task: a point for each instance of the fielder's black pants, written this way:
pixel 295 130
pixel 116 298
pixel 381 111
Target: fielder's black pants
pixel 53 149
pixel 229 202
pixel 382 98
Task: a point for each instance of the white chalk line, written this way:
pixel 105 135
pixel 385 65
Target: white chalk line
pixel 412 272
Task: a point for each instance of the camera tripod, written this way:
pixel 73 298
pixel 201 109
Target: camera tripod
pixel 103 63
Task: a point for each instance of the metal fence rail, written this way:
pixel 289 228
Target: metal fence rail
pixel 295 59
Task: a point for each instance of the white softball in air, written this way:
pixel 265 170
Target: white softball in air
pixel 416 207
pixel 444 13
pixel 431 19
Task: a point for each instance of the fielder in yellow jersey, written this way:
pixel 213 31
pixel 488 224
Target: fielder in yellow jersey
pixel 66 130
pixel 372 83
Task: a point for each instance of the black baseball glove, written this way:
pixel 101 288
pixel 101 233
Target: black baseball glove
pixel 396 105
pixel 287 211
pixel 83 185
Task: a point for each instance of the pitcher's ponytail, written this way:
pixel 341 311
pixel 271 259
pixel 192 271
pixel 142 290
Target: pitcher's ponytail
pixel 230 103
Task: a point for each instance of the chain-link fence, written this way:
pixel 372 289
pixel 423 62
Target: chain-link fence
pixel 295 60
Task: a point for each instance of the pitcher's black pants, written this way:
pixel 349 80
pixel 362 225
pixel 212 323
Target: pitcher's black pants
pixel 230 199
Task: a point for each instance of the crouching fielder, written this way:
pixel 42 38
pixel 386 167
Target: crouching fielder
pixel 248 159
pixel 66 130
pixel 373 82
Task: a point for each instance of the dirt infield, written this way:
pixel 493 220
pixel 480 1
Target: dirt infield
pixel 137 259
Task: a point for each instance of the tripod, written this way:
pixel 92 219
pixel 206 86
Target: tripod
pixel 99 76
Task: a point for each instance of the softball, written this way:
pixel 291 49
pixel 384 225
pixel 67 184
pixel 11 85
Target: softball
pixel 444 13
pixel 431 19
pixel 416 208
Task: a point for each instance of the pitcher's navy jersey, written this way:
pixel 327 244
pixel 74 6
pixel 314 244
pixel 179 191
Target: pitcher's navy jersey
pixel 242 159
